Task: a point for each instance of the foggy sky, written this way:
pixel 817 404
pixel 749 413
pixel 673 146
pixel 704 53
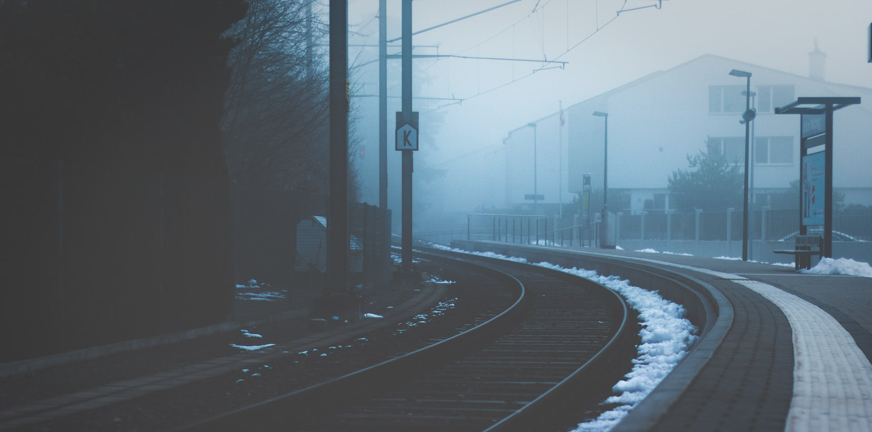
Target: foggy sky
pixel 777 34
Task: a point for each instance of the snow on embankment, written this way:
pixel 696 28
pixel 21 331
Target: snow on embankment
pixel 666 336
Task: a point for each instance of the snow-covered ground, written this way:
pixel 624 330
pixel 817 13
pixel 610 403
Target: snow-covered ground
pixel 249 292
pixel 649 250
pixel 251 347
pixel 754 261
pixel 840 266
pixel 435 279
pixel 420 319
pixel 666 337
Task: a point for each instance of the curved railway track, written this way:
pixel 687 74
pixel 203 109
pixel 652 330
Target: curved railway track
pixel 558 343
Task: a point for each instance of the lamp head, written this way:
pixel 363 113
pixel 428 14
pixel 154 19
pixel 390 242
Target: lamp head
pixel 600 114
pixel 741 74
pixel 532 125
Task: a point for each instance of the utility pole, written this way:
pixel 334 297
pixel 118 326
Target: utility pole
pixel 309 40
pixel 407 117
pixel 337 222
pixel 382 105
pixel 560 159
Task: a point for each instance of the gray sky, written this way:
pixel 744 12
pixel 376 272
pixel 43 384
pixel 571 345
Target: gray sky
pixel 773 33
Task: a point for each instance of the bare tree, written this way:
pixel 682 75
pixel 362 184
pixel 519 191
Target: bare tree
pixel 276 123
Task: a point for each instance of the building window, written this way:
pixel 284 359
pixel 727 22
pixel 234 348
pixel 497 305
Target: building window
pixel 726 99
pixel 733 148
pixel 770 97
pixel 773 150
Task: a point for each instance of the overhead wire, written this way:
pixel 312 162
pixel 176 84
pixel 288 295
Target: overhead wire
pixel 618 15
pixel 547 64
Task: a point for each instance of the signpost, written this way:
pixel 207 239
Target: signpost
pixel 816 170
pixel 407 120
pixel 585 206
pixel 337 228
pixel 407 133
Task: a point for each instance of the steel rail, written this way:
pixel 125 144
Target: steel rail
pixel 294 409
pixel 536 415
pixel 301 405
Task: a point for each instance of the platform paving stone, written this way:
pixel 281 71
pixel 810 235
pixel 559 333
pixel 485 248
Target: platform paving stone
pixel 751 372
pixel 797 357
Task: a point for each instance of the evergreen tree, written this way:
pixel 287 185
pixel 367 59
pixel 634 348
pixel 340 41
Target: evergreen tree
pixel 712 183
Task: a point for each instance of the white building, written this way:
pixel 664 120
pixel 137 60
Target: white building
pixel 656 121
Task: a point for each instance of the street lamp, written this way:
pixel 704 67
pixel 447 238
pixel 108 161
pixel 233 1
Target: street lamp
pixel 604 242
pixel 747 117
pixel 752 198
pixel 535 174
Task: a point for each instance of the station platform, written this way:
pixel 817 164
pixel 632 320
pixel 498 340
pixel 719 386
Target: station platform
pixel 790 351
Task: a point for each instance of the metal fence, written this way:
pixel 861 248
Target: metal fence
pixel 763 225
pixel 527 229
pixel 706 226
pixel 280 238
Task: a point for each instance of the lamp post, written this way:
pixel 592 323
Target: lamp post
pixel 603 240
pixel 752 197
pixel 747 117
pixel 535 174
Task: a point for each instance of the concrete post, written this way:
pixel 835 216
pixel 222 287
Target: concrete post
pixel 764 228
pixel 730 224
pixel 642 224
pixel 668 225
pixel 618 226
pixel 575 229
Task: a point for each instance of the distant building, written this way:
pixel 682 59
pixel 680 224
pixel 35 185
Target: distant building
pixel 656 121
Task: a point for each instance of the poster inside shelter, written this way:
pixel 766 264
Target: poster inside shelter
pixel 812 188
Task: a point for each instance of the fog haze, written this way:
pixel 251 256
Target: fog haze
pixel 606 50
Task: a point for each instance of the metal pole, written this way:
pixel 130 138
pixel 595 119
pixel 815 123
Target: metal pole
pixel 309 40
pixel 803 152
pixel 382 105
pixel 747 173
pixel 337 226
pixel 828 187
pixel 407 116
pixel 535 181
pixel 753 157
pixel 606 170
pixel 560 160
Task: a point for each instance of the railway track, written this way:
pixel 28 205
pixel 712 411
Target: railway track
pixel 557 344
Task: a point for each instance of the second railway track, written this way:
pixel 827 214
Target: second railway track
pixel 562 344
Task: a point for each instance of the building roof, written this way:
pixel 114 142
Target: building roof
pixel 833 88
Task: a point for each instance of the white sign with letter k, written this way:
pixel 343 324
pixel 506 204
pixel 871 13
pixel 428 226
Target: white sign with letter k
pixel 407 137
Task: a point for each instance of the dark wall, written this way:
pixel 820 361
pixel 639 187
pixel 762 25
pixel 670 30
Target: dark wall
pixel 117 208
